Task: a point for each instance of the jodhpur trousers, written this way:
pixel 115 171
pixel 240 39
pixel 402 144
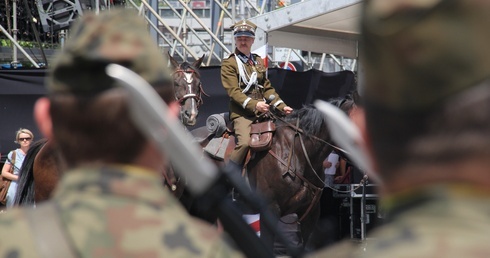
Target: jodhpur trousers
pixel 242 133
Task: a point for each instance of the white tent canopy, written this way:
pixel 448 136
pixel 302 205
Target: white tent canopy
pixel 324 26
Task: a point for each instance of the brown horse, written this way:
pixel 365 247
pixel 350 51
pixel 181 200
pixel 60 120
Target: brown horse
pixel 41 165
pixel 289 176
pixel 188 89
pixel 42 168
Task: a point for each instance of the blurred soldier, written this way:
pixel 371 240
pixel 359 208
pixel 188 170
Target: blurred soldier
pixel 110 203
pixel 427 110
pixel 243 75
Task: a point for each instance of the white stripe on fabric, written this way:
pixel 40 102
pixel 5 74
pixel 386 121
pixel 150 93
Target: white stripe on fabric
pixel 278 102
pixel 244 105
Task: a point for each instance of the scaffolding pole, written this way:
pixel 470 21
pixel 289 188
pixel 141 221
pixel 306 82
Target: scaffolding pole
pixel 5 32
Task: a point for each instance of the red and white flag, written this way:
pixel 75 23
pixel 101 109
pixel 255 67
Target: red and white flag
pixel 262 52
pixel 254 221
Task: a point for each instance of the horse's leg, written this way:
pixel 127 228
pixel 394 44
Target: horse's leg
pixel 327 229
pixel 309 224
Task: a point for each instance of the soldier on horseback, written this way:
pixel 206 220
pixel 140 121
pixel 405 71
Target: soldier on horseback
pixel 243 75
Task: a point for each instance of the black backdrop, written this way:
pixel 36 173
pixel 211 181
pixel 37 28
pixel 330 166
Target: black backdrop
pixel 19 89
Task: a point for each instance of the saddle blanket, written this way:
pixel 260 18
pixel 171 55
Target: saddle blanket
pixel 216 147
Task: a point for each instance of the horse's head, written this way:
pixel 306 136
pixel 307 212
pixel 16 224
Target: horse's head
pixel 188 89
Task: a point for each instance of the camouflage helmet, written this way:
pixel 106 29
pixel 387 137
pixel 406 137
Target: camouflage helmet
pixel 417 53
pixel 115 36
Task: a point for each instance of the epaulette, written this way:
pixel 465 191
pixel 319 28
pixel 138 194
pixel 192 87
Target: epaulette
pixel 232 54
pixel 256 56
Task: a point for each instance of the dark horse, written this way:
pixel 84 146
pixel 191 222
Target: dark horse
pixel 42 168
pixel 41 165
pixel 188 89
pixel 289 176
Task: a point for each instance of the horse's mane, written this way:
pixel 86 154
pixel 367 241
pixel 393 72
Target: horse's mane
pixel 25 189
pixel 311 120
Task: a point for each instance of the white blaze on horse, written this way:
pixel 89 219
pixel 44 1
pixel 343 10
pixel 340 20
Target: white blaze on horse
pixel 188 89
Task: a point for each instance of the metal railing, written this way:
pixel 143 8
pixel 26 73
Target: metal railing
pixel 178 34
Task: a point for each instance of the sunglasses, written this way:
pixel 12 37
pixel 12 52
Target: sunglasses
pixel 25 139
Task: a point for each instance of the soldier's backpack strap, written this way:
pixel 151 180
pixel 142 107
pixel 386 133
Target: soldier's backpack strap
pixel 48 233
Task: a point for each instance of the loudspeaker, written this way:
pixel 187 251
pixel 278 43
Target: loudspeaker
pixel 58 14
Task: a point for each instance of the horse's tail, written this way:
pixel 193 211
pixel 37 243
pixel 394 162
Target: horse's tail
pixel 25 188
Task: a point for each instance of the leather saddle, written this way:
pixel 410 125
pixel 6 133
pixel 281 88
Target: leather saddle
pixel 218 140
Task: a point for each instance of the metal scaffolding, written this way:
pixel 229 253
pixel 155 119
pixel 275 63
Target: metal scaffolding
pixel 187 29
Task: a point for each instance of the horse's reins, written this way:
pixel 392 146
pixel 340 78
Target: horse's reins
pixel 297 129
pixel 316 189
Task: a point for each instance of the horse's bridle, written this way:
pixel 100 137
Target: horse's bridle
pixel 188 77
pixel 316 189
pixel 298 132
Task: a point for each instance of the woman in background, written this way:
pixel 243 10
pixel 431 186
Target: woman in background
pixel 24 138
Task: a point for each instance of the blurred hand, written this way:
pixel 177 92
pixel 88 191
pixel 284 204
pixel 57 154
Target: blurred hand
pixel 262 107
pixel 287 110
pixel 327 164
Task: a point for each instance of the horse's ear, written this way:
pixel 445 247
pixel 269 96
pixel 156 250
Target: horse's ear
pixel 174 63
pixel 198 62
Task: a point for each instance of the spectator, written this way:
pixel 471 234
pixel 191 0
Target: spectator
pixel 24 138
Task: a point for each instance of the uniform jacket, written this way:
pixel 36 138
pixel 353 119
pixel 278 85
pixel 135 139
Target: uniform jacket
pixel 117 212
pixel 243 104
pixel 438 221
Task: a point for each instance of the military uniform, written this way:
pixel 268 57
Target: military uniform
pixel 427 64
pixel 244 98
pixel 116 211
pixel 446 220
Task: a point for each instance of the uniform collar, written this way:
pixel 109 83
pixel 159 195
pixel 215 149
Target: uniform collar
pixel 124 181
pixel 246 59
pixel 443 193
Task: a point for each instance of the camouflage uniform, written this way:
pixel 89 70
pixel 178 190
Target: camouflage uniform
pixel 421 57
pixel 446 220
pixel 117 212
pixel 110 210
pixel 242 104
